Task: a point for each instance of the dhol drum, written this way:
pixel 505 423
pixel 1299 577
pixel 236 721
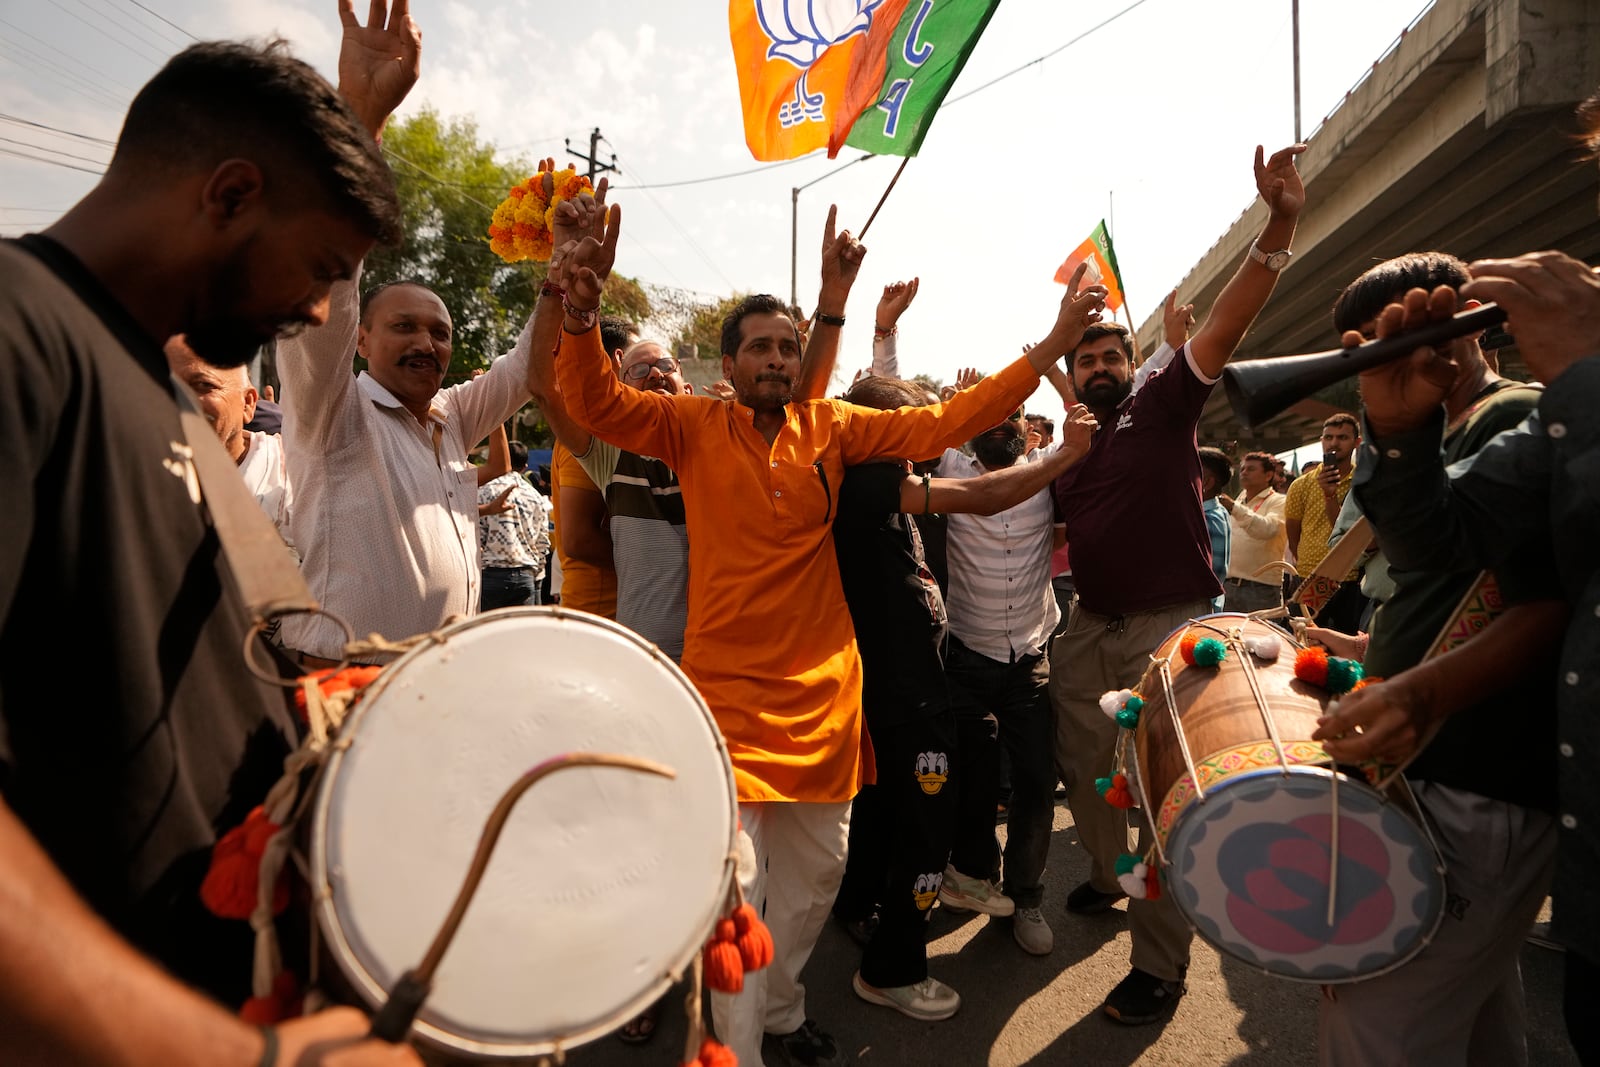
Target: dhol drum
pixel 604 884
pixel 1274 856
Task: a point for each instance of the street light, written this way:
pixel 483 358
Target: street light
pixel 794 227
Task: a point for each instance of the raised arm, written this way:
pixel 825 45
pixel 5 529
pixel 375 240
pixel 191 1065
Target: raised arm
pixel 1241 300
pixel 1258 527
pixel 995 491
pixel 897 296
pixel 841 262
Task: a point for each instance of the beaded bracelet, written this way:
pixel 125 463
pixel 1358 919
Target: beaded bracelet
pixel 552 289
pixel 587 316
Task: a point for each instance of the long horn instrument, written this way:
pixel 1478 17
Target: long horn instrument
pixel 1258 389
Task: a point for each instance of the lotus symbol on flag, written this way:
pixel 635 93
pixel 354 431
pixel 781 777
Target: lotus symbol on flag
pixel 801 30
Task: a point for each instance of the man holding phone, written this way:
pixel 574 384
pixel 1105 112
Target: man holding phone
pixel 1311 510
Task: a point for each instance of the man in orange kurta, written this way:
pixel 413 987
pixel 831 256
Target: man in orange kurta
pixel 769 641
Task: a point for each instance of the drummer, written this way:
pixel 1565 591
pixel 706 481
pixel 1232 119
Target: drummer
pixel 769 641
pixel 1142 562
pixel 130 736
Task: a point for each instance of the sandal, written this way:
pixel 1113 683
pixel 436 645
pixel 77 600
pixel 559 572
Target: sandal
pixel 642 1027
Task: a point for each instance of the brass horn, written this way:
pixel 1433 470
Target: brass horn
pixel 1258 389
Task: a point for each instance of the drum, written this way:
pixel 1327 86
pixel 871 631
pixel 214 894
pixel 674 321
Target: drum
pixel 604 884
pixel 1275 857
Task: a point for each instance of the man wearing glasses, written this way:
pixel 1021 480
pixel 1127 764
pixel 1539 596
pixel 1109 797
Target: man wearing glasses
pixel 649 541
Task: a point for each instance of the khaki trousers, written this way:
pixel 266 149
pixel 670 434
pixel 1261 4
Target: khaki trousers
pixel 1095 654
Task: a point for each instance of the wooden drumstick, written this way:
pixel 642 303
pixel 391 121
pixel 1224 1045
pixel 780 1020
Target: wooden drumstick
pixel 393 1021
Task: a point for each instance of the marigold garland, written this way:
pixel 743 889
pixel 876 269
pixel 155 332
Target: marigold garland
pixel 521 225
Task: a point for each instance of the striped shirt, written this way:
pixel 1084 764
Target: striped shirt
pixel 649 542
pixel 1000 600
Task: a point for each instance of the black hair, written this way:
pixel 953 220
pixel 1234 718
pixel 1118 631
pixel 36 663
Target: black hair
pixel 1383 284
pixel 1216 461
pixel 222 100
pixel 754 304
pixel 519 456
pixel 1097 330
pixel 617 332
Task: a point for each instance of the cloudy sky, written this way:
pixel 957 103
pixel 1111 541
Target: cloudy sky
pixel 1150 120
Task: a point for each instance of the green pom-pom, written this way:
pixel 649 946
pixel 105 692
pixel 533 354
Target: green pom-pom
pixel 1134 704
pixel 1343 674
pixel 1101 785
pixel 1127 719
pixel 1125 863
pixel 1208 652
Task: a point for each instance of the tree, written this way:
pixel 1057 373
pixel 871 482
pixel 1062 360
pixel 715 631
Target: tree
pixel 449 183
pixel 704 326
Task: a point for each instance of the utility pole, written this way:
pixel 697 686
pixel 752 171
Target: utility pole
pixel 593 158
pixel 1294 9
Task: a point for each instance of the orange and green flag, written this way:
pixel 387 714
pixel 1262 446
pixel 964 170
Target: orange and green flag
pixel 1096 250
pixel 867 73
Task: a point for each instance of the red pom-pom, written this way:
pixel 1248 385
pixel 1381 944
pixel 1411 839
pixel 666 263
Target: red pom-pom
pixel 1119 795
pixel 724 967
pixel 230 888
pixel 1152 884
pixel 1186 647
pixel 331 682
pixel 755 940
pixel 283 1003
pixel 714 1055
pixel 1311 665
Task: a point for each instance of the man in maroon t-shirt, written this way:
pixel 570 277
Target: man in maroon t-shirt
pixel 1142 564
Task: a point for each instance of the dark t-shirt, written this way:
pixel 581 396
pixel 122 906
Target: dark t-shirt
pixel 1471 750
pixel 131 735
pixel 1132 507
pixel 898 613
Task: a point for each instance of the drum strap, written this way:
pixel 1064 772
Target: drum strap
pixel 1315 592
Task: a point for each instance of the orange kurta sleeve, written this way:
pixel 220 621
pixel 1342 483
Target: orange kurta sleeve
pixel 921 432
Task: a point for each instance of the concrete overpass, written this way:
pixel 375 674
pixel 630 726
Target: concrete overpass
pixel 1460 139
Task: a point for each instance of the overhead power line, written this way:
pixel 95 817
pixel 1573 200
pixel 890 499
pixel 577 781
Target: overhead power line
pixel 52 151
pixel 44 159
pixel 56 129
pixel 163 18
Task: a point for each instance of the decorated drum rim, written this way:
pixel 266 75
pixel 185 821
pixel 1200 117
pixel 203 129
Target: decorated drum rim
pixel 1215 769
pixel 325 910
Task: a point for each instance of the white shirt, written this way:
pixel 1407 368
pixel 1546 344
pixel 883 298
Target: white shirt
pixel 1259 538
pixel 386 510
pixel 1001 603
pixel 266 475
pixel 519 537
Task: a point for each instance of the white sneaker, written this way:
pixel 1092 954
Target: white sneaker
pixel 960 893
pixel 929 1000
pixel 1032 932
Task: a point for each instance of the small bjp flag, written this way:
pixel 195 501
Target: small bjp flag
pixel 1096 250
pixel 867 73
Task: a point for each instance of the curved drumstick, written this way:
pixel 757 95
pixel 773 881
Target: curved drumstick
pixel 393 1021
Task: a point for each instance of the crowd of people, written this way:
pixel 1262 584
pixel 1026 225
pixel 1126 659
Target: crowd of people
pixel 902 609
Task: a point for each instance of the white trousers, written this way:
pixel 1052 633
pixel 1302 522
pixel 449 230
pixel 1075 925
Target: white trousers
pixel 791 858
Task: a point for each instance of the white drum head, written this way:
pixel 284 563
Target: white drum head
pixel 605 882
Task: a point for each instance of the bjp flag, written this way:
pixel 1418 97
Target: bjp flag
pixel 1096 251
pixel 867 73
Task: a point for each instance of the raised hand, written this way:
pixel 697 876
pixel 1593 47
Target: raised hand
pixel 1078 311
pixel 1278 181
pixel 721 390
pixel 582 216
pixel 1176 320
pixel 378 62
pixel 582 267
pixel 1553 306
pixel 967 377
pixel 1077 429
pixel 897 296
pixel 1400 396
pixel 841 262
pixel 1225 500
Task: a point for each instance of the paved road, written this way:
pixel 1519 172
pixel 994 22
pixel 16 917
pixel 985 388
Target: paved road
pixel 1019 1009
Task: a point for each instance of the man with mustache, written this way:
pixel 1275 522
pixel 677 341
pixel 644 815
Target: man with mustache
pixel 240 189
pixel 383 483
pixel 769 641
pixel 1142 565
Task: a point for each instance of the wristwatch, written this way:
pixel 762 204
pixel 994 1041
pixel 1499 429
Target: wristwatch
pixel 1273 261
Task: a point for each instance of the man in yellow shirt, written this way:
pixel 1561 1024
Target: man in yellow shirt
pixel 1312 508
pixel 769 641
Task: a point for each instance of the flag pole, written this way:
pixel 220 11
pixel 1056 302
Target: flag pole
pixel 882 198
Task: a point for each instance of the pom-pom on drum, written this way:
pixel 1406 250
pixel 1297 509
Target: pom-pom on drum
pixel 603 885
pixel 1250 817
